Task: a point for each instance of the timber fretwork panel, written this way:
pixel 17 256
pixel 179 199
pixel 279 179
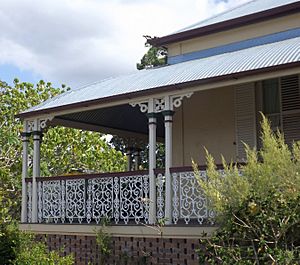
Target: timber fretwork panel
pixel 126 250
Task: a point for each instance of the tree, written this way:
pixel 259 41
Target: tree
pixel 14 99
pixel 121 145
pixel 258 205
pixel 155 56
pixel 63 150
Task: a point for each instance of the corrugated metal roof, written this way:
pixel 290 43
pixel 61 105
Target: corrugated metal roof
pixel 248 8
pixel 268 55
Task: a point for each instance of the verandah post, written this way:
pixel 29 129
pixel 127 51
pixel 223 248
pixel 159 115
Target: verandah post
pixel 152 159
pixel 153 106
pixel 25 140
pixel 168 119
pixel 36 168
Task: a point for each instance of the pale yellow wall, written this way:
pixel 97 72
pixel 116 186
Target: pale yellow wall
pixel 238 34
pixel 204 120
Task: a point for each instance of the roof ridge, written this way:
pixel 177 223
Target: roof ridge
pixel 214 16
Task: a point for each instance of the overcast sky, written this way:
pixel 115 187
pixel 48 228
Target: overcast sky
pixel 77 42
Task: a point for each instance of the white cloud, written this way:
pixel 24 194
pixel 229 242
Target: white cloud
pixel 81 41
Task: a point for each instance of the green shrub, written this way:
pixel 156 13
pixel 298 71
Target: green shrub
pixel 104 241
pixel 9 233
pixel 20 248
pixel 17 247
pixel 258 210
pixel 32 252
pixel 9 242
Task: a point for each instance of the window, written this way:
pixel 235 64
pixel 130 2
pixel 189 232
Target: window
pixel 271 102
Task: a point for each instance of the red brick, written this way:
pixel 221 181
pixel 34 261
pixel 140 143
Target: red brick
pixel 158 250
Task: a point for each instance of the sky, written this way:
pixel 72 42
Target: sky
pixel 77 42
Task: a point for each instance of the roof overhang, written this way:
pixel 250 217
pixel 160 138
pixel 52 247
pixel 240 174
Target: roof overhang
pixel 174 88
pixel 228 24
pixel 106 106
pixel 116 117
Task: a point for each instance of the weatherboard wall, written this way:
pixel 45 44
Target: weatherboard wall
pixel 235 35
pixel 206 120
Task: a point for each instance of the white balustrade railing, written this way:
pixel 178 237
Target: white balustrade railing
pixel 29 201
pixel 160 196
pixel 122 198
pixel 91 199
pixel 189 202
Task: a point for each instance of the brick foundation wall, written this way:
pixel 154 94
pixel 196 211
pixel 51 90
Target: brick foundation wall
pixel 126 250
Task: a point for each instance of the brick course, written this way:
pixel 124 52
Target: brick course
pixel 126 250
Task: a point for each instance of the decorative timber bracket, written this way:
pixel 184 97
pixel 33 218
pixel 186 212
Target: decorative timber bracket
pixel 161 104
pixel 38 124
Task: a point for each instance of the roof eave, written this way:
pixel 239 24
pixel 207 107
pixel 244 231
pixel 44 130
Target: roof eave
pixel 226 25
pixel 152 91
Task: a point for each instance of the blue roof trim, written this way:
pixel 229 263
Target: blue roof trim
pixel 236 46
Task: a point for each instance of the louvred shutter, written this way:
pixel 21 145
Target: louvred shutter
pixel 245 119
pixel 290 100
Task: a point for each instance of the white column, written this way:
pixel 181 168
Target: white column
pixel 25 139
pixel 35 169
pixel 168 119
pixel 152 160
pixel 166 106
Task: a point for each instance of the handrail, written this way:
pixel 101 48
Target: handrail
pixel 202 167
pixel 126 173
pixel 159 171
pixel 90 176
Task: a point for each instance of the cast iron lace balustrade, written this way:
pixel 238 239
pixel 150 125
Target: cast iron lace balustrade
pixel 120 197
pixel 29 201
pixel 160 197
pixel 189 202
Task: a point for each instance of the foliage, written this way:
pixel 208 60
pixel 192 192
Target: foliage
pixel 67 150
pixel 259 210
pixel 154 57
pixel 120 144
pixel 6 205
pixel 104 241
pixel 32 252
pixel 63 150
pixel 14 99
pixel 20 248
pixel 9 242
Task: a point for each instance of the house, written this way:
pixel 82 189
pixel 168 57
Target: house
pixel 221 73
